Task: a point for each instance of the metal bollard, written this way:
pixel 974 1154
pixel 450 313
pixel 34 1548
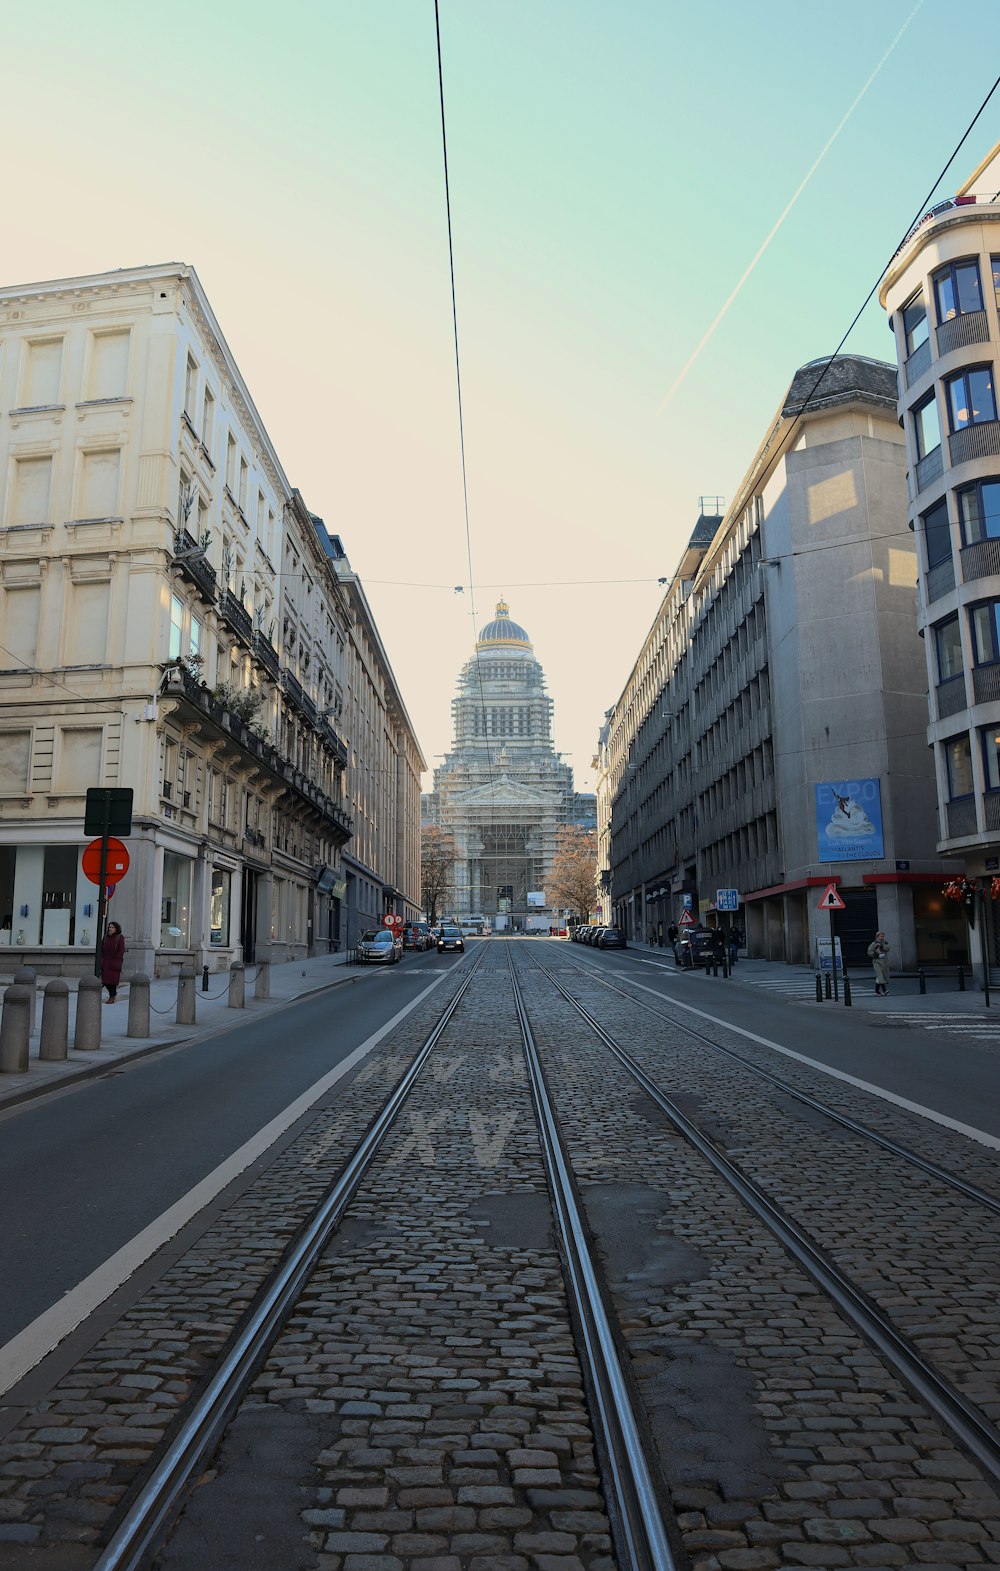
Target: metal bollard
pixel 262 985
pixel 237 985
pixel 87 1036
pixel 15 1029
pixel 138 1005
pixel 819 988
pixel 922 974
pixel 54 1043
pixel 184 1015
pixel 961 979
pixel 827 986
pixel 726 967
pixel 847 991
pixel 26 977
pixel 204 979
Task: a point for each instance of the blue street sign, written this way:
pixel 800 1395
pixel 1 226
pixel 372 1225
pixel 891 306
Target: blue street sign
pixel 727 899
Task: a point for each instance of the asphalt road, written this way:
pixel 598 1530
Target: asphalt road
pixel 85 1169
pixel 953 1075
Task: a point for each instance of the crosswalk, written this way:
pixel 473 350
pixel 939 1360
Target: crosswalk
pixel 972 1027
pixel 801 987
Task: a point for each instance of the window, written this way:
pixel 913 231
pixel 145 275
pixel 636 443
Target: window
pixel 99 483
pixel 175 902
pixel 948 643
pixel 991 757
pixel 926 427
pixel 176 627
pixel 242 498
pixel 915 328
pixel 957 290
pixel 195 636
pixel 219 905
pixel 985 621
pixel 971 398
pixel 108 372
pixel 190 387
pixel 937 534
pixel 207 418
pixel 42 376
pixel 230 462
pixel 995 265
pixel 958 756
pixel 32 484
pixel 979 511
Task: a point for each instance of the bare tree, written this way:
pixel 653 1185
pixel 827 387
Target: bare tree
pixel 571 883
pixel 437 862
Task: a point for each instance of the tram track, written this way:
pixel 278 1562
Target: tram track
pixel 972 1429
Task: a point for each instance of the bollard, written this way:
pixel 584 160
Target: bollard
pixel 138 1005
pixel 961 979
pixel 15 1029
pixel 726 967
pixel 819 988
pixel 184 1015
pixel 826 984
pixel 26 977
pixel 87 1035
pixel 237 985
pixel 847 991
pixel 54 1042
pixel 262 986
pixel 922 974
pixel 204 979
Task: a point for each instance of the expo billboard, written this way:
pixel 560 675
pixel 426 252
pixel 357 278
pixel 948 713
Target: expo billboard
pixel 849 821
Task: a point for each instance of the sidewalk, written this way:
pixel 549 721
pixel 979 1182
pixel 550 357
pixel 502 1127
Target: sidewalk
pixel 293 980
pixel 798 984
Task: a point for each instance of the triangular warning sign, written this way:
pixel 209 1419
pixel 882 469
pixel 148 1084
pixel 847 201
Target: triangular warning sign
pixel 831 901
pixel 685 919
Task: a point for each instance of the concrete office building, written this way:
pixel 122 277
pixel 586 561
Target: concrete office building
pixel 942 291
pixel 770 737
pixel 148 640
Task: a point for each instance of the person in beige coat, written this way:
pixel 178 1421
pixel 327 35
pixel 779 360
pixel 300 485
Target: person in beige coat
pixel 878 954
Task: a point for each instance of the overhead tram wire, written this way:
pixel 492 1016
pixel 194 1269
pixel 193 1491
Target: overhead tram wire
pixel 461 416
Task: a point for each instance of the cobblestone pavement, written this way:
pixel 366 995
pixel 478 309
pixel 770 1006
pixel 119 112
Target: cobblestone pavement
pixel 424 1408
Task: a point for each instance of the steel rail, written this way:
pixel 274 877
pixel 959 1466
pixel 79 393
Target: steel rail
pixel 943 1175
pixel 968 1425
pixel 638 1518
pixel 160 1497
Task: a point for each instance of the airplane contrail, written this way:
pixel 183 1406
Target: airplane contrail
pixel 678 379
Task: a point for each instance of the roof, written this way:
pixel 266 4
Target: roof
pixel 846 379
pixel 503 632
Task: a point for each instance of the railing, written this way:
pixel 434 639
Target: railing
pixel 236 614
pixel 265 652
pixel 943 207
pixel 194 565
pixel 309 708
pixel 979 440
pixel 255 837
pixel 981 559
pixel 929 468
pixel 951 696
pixel 969 327
pixel 293 687
pixel 940 580
pixel 986 682
pixel 991 810
pixel 329 735
pixel 962 818
pixel 918 363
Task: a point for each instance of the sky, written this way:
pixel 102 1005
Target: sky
pixel 615 167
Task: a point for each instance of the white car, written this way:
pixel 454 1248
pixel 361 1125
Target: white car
pixel 379 947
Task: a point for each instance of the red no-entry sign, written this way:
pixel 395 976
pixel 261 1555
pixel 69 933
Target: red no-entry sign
pixel 115 868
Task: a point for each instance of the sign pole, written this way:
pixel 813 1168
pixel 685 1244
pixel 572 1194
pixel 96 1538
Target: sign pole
pixel 833 959
pixel 102 904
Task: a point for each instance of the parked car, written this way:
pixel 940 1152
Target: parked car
pixel 417 935
pixel 610 938
pixel 696 946
pixel 450 938
pixel 380 946
pixel 591 935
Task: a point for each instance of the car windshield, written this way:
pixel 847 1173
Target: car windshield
pixel 378 935
pixel 451 932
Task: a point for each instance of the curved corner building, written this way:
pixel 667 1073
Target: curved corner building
pixel 502 791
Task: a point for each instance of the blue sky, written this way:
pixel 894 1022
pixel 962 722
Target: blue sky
pixel 614 168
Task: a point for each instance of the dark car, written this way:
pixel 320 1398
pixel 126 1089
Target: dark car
pixel 450 938
pixel 379 946
pixel 417 935
pixel 610 938
pixel 593 934
pixel 697 946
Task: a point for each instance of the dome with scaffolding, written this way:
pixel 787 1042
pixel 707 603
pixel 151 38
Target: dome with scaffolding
pixel 502 632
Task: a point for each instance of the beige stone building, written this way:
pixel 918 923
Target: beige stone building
pixel 169 621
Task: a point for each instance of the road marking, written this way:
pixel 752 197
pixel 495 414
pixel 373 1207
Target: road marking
pixel 993 1141
pixel 30 1345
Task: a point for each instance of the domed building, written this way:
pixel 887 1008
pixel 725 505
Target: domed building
pixel 502 791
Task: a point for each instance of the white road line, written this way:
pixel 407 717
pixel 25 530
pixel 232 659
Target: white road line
pixel 970 1130
pixel 29 1346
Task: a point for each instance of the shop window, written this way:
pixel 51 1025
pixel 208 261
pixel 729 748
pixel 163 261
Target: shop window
pixel 219 906
pixel 175 902
pixel 59 895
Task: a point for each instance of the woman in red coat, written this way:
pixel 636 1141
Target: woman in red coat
pixel 112 956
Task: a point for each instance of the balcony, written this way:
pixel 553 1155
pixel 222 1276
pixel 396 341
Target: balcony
pixel 266 655
pixel 980 560
pixel 986 683
pixel 918 363
pixel 940 580
pixel 194 565
pixel 309 709
pixel 962 818
pixel 951 696
pixel 969 327
pixel 333 741
pixel 991 810
pixel 237 616
pixel 979 440
pixel 293 687
pixel 929 468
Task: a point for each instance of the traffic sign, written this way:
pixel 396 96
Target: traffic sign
pixel 392 920
pixel 727 899
pixel 108 810
pixel 115 868
pixel 831 901
pixel 685 919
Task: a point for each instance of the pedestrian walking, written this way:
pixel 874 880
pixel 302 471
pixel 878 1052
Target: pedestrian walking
pixel 112 957
pixel 878 954
pixel 735 942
